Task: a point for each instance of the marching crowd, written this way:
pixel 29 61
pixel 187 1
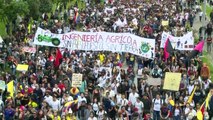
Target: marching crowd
pixel 114 85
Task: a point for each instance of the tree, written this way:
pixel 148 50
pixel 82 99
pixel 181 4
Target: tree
pixel 34 6
pixel 46 6
pixel 15 8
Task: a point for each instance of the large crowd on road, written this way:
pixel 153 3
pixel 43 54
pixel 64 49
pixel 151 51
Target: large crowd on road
pixel 114 85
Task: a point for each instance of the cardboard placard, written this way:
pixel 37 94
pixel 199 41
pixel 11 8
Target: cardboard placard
pixel 172 81
pixel 77 80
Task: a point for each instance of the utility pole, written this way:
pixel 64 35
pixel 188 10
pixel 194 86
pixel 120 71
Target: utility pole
pixel 203 19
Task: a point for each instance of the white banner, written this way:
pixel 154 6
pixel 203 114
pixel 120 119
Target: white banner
pixel 98 41
pixel 185 42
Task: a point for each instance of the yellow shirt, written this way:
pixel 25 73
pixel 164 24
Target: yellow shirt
pixel 70 117
pixel 52 117
pixel 102 57
pixel 33 104
pixel 118 57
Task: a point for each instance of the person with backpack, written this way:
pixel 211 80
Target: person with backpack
pixel 156 105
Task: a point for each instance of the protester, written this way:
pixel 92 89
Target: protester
pixel 115 85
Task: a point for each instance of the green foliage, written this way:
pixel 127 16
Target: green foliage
pixel 46 6
pixel 2 29
pixel 208 9
pixel 34 6
pixel 11 10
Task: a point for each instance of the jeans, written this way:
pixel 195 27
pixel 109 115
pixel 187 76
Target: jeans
pixel 156 115
pixel 177 117
pixel 209 47
pixel 13 71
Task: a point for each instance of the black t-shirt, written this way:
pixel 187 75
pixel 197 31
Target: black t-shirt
pixel 147 105
pixel 198 95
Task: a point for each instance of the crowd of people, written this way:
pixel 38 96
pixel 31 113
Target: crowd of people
pixel 114 85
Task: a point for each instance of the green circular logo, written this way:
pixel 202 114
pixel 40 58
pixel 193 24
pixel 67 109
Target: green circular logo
pixel 145 47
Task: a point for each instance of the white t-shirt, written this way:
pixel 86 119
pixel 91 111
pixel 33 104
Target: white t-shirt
pixel 55 105
pixel 58 90
pixel 157 104
pixel 112 94
pixel 133 97
pixel 123 102
pixel 70 98
pixel 95 106
pixel 48 99
pixel 177 112
pixel 80 99
pixel 140 72
pixel 101 115
pixel 94 118
pixel 190 88
pixel 191 115
pixel 139 106
pixel 201 13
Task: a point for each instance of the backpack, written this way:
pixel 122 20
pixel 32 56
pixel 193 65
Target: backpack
pixel 161 101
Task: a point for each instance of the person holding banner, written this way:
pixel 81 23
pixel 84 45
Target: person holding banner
pixel 86 62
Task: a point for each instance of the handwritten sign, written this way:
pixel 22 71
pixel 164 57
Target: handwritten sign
pixel 77 80
pixel 172 81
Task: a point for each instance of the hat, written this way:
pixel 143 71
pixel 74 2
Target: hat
pixel 21 108
pixel 74 91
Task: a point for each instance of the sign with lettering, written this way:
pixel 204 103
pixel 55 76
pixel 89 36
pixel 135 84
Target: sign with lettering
pixel 185 42
pixel 77 80
pixel 97 41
